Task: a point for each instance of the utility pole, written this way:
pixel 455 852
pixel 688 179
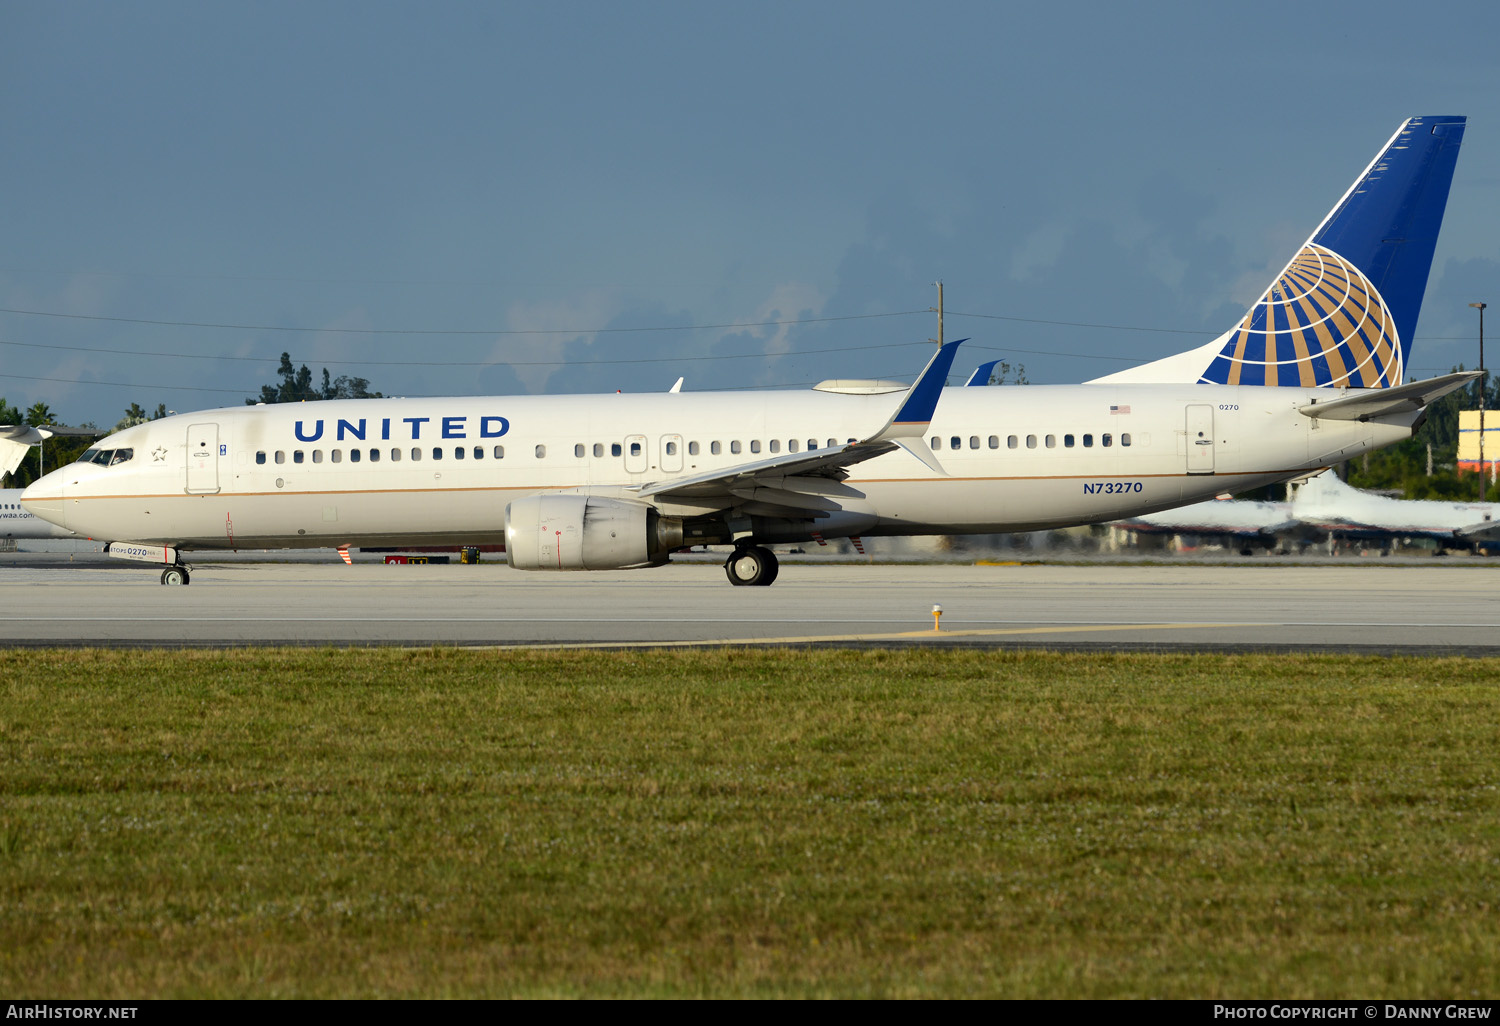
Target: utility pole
pixel 1483 470
pixel 939 311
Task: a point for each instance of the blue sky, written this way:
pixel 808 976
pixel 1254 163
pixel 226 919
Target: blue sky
pixel 488 185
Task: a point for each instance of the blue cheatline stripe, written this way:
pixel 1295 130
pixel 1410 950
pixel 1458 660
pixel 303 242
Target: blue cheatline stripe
pixel 929 387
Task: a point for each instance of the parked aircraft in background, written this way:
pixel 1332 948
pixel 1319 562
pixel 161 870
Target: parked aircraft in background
pixel 1311 376
pixel 17 522
pixel 1234 523
pixel 1344 512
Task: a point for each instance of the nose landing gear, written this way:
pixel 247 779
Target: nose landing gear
pixel 752 566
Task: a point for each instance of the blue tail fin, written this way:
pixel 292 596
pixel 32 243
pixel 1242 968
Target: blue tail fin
pixel 1343 311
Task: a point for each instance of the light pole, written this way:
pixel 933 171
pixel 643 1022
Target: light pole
pixel 1483 471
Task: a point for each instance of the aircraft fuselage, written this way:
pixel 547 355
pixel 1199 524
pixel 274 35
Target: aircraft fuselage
pixel 441 471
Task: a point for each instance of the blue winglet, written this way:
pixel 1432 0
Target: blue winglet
pixel 924 394
pixel 981 375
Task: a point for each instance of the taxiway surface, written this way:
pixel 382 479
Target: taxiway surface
pixel 1429 607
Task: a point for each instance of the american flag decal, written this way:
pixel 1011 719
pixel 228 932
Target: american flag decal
pixel 1119 409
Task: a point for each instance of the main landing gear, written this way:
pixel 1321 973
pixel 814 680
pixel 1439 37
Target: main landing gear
pixel 176 574
pixel 752 565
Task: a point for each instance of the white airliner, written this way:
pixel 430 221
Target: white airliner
pixel 1312 375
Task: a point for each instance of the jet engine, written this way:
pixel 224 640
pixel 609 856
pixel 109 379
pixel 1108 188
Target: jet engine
pixel 587 532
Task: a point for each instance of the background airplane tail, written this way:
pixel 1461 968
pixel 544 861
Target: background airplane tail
pixel 1343 311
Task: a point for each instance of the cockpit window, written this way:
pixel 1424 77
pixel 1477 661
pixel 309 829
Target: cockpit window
pixel 106 457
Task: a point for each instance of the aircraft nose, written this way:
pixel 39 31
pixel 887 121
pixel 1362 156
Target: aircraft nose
pixel 45 498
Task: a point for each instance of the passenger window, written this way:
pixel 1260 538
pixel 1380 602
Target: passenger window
pixel 260 457
pixel 353 456
pixel 775 445
pixel 1106 440
pixel 479 452
pixel 578 451
pixel 395 455
pixel 541 451
pixel 994 441
pixel 715 448
pixel 458 452
pixel 635 449
pixel 833 443
pixel 1011 441
pixel 791 445
pixel 671 448
pixel 437 452
pixel 598 450
pixel 955 442
pixel 280 456
pixel 296 455
pixel 416 454
pixel 692 448
pixel 812 443
pixel 755 445
pixel 317 455
pixel 1067 441
pixel 1125 439
pixel 374 455
pixel 615 450
pixel 1052 441
pixel 499 452
pixel 936 443
pixel 338 456
pixel 734 447
pixel 1031 441
pixel 1088 440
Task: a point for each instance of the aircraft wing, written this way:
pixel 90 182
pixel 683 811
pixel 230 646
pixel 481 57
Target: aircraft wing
pixel 1487 530
pixel 1384 402
pixel 766 480
pixel 17 439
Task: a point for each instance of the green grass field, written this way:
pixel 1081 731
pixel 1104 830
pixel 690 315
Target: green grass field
pixel 747 823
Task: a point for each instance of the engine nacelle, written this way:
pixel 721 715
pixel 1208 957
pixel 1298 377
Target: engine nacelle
pixel 587 532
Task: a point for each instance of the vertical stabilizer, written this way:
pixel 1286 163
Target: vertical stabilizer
pixel 1343 311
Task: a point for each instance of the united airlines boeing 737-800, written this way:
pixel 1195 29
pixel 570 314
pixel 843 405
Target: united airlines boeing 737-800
pixel 1312 375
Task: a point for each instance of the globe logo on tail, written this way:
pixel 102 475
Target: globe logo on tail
pixel 1322 322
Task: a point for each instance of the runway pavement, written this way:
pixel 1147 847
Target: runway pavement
pixel 1428 606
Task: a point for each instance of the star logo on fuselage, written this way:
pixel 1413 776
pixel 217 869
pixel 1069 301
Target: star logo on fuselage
pixel 159 454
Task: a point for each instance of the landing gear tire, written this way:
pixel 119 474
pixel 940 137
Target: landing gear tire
pixel 175 575
pixel 753 567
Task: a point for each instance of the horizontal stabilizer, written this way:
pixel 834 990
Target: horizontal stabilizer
pixel 1387 402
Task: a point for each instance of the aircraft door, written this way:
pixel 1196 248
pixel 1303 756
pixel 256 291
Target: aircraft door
pixel 637 459
pixel 671 453
pixel 203 451
pixel 1200 439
